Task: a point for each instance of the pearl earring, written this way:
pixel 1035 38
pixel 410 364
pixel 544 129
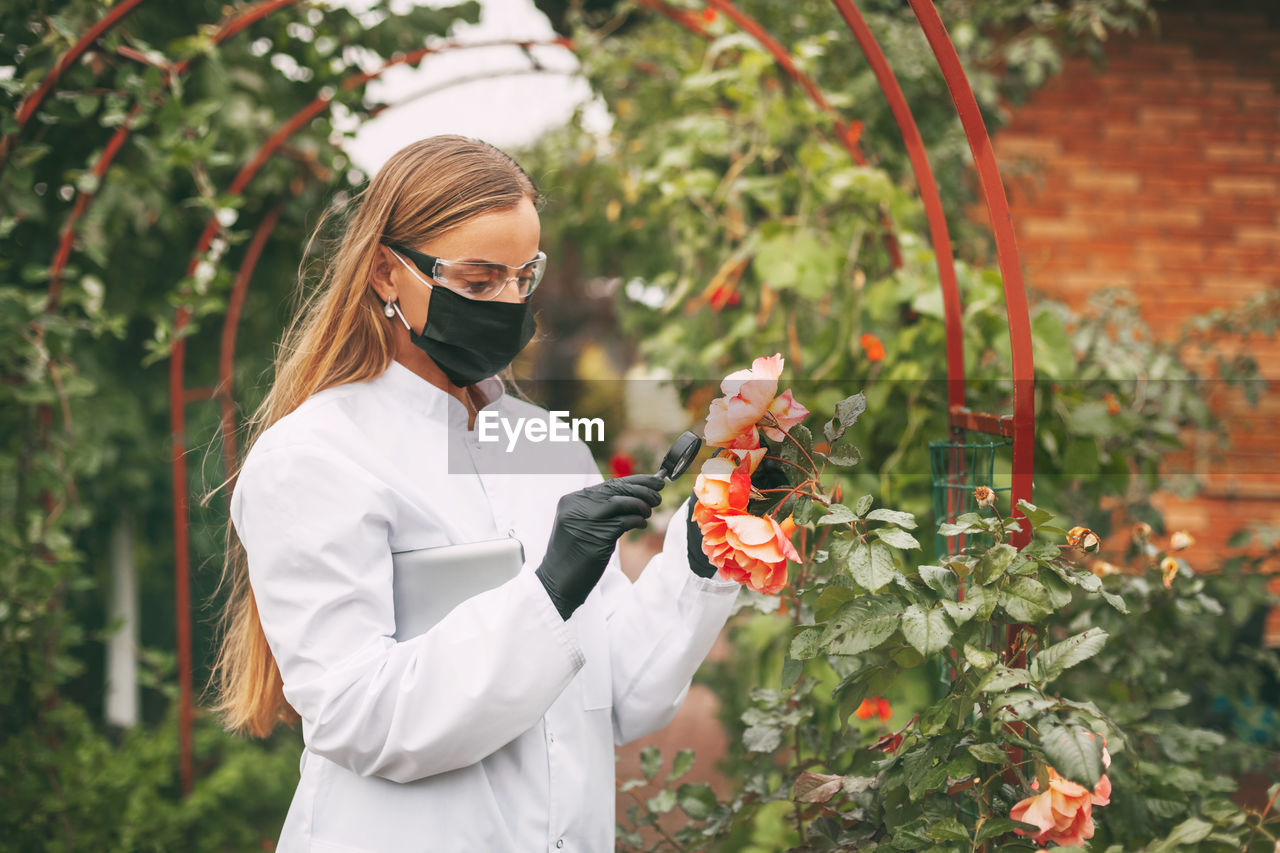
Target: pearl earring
pixel 389 311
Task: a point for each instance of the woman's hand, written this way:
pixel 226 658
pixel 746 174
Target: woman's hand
pixel 586 530
pixel 698 561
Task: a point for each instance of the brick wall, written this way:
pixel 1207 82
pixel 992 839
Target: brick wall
pixel 1160 172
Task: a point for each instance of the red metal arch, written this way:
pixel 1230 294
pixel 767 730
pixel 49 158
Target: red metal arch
pixel 231 25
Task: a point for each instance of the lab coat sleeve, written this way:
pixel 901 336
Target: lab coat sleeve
pixel 316 528
pixel 660 630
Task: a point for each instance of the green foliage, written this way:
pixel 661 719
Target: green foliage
pixel 85 443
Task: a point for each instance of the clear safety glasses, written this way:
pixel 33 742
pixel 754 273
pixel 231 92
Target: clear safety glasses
pixel 478 279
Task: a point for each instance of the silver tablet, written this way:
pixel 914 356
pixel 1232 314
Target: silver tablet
pixel 430 582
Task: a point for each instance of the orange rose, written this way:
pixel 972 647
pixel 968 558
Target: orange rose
pixel 873 707
pixel 872 347
pixel 1064 813
pixel 750 549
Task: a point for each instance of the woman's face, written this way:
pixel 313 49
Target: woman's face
pixel 508 237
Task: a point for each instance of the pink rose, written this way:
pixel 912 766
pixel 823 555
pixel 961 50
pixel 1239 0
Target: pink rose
pixel 749 398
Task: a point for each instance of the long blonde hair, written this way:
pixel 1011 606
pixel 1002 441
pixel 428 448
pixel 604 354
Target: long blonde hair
pixel 340 335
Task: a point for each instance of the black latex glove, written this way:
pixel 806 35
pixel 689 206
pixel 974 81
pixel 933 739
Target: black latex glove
pixel 586 530
pixel 702 567
pixel 770 474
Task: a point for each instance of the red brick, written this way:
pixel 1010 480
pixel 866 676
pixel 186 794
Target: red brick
pixel 1257 234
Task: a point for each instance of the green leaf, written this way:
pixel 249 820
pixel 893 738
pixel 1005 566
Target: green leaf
pixel 650 761
pixel 980 658
pixel 833 597
pixel 1190 831
pixel 1001 825
pixel 843 452
pixel 862 625
pixel 994 563
pixel 927 630
pixel 1025 600
pixel 661 802
pixel 871 566
pixel 1035 515
pixel 804 510
pixel 696 800
pixel 893 516
pixel 988 753
pixel 863 504
pixel 838 514
pixel 948 829
pixel 806 643
pixel 1115 601
pixel 762 738
pixel 1002 678
pixel 896 537
pixel 941 580
pixel 1060 657
pixel 850 409
pixel 680 764
pixel 792 669
pixel 1074 751
pixel 979 603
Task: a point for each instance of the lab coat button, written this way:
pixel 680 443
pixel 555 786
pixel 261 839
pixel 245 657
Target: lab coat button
pixel 560 843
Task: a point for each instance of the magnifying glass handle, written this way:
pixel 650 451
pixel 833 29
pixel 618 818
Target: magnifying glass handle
pixel 662 472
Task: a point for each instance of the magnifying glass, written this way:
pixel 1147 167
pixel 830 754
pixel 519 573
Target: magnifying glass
pixel 683 451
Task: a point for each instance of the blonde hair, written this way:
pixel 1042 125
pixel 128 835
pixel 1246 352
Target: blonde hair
pixel 340 335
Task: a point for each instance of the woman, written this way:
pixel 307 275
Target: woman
pixel 493 730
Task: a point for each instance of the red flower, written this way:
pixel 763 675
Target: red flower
pixel 622 465
pixel 872 347
pixel 708 15
pixel 1113 405
pixel 874 706
pixel 723 295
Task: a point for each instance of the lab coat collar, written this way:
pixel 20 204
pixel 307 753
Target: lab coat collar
pixel 436 402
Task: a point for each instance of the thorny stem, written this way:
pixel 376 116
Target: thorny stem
pixel 787 462
pixel 771 418
pixel 799 817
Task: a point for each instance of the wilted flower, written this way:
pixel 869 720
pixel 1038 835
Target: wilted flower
pixel 1169 569
pixel 1083 538
pixel 1064 813
pixel 1141 532
pixel 1102 568
pixel 985 496
pixel 889 743
pixel 1180 540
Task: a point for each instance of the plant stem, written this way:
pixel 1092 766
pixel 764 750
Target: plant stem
pixel 1262 816
pixel 657 825
pixel 813 466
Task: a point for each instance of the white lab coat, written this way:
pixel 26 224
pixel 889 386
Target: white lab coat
pixel 495 730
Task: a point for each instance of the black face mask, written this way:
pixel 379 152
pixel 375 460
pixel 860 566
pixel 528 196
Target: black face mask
pixel 470 339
